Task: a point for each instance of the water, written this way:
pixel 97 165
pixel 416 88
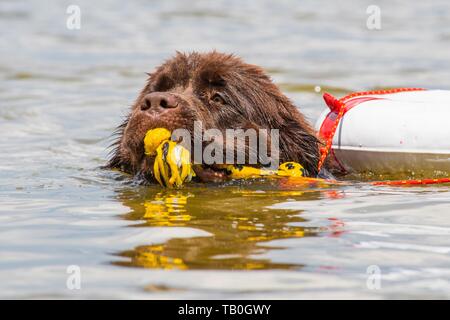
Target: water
pixel 63 91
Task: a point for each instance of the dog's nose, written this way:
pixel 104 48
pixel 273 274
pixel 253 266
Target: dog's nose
pixel 159 99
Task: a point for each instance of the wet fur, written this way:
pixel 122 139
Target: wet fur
pixel 248 99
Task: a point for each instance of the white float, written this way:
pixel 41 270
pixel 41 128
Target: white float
pixel 401 130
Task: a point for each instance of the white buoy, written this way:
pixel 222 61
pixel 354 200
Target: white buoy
pixel 388 132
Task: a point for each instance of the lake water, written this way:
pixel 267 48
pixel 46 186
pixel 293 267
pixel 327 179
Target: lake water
pixel 63 91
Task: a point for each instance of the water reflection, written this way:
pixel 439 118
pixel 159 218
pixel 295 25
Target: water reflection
pixel 238 220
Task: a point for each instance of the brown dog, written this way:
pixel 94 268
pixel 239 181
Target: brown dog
pixel 224 93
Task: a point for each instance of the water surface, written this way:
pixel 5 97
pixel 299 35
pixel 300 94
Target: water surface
pixel 63 91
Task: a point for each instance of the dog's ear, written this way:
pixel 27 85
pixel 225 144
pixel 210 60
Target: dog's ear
pixel 212 77
pixel 241 144
pixel 296 142
pixel 259 103
pixel 299 143
pixel 261 136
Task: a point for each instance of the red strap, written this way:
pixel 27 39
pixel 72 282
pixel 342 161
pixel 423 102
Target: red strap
pixel 411 182
pixel 379 92
pixel 329 125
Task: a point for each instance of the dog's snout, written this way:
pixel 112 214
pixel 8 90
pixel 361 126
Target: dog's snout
pixel 159 100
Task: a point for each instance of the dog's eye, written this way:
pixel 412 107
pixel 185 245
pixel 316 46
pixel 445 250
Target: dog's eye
pixel 217 98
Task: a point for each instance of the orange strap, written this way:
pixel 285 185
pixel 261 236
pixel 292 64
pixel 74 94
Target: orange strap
pixel 339 105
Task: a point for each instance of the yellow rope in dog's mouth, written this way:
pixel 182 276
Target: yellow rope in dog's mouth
pixel 172 165
pixel 286 169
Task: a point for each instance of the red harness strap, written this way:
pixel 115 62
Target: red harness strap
pixel 341 106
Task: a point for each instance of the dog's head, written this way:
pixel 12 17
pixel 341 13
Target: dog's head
pixel 222 92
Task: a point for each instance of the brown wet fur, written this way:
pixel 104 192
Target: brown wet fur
pixel 224 93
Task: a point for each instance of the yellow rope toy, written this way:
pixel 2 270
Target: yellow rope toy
pixel 172 165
